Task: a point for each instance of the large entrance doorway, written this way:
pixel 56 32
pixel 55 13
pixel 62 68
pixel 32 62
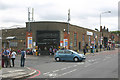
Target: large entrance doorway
pixel 47 39
pixel 105 41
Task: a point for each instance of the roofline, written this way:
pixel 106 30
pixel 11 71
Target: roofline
pixel 60 22
pixel 14 28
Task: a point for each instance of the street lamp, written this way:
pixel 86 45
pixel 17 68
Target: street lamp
pixel 100 21
pixel 103 13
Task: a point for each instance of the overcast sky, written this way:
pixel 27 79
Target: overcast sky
pixel 84 13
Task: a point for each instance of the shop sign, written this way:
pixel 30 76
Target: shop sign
pixel 61 43
pixel 89 33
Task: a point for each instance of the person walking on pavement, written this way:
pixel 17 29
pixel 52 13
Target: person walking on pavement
pixel 93 49
pixel 2 54
pixel 6 56
pixel 13 57
pixel 100 46
pixel 23 56
pixel 9 57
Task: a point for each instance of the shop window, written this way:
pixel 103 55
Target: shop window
pixel 75 39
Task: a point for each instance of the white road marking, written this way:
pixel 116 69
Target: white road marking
pixel 81 63
pixel 74 65
pixel 65 73
pixel 52 75
pixel 88 65
pixel 69 67
pixel 108 57
pixel 63 68
pixel 104 59
pixel 46 73
pixel 55 71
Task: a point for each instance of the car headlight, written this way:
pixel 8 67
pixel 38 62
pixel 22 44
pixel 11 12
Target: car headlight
pixel 82 56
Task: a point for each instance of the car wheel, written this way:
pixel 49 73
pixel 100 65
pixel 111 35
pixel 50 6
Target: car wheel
pixel 76 59
pixel 57 59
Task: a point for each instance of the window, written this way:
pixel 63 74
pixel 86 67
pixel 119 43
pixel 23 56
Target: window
pixel 89 40
pixel 67 52
pixel 61 52
pixel 75 39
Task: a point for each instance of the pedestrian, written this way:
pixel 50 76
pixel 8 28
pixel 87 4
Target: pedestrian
pixel 39 51
pixel 54 51
pixel 91 48
pixel 2 58
pixel 84 50
pixel 100 46
pixel 23 56
pixel 9 57
pixel 31 53
pixel 6 55
pixel 87 48
pixel 50 51
pixel 13 57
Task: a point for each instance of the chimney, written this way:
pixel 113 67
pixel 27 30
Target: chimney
pixel 104 27
pixel 107 30
pixel 100 28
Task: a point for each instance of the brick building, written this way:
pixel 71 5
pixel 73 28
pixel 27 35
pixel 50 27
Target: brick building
pixel 46 34
pixel 14 38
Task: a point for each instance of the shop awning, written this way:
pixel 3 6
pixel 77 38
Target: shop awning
pixel 12 37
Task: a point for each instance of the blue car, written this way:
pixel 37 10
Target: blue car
pixel 69 55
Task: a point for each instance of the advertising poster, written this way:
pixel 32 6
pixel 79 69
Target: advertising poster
pixel 66 43
pixel 61 43
pixel 29 42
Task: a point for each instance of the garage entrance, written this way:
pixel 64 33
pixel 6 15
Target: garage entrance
pixel 47 39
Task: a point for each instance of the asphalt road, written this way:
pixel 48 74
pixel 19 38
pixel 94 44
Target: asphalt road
pixel 101 65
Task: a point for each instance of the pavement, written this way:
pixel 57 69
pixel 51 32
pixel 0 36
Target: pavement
pixel 18 72
pixel 15 73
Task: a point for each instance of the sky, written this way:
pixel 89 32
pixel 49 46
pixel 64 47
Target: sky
pixel 83 13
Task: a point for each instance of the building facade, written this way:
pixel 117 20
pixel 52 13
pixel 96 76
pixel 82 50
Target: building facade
pixel 55 34
pixel 46 34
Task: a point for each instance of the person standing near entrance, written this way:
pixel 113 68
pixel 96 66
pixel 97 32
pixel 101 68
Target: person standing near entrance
pixel 84 50
pixel 100 46
pixel 13 54
pixel 91 48
pixel 23 56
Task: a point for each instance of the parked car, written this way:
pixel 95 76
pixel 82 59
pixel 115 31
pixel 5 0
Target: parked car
pixel 69 55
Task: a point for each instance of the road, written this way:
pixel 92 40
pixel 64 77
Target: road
pixel 102 65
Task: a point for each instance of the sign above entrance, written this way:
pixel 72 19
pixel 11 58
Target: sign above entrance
pixel 89 33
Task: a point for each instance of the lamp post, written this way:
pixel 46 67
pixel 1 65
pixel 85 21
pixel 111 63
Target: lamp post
pixel 100 23
pixel 103 13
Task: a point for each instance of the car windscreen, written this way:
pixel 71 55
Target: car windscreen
pixel 73 51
